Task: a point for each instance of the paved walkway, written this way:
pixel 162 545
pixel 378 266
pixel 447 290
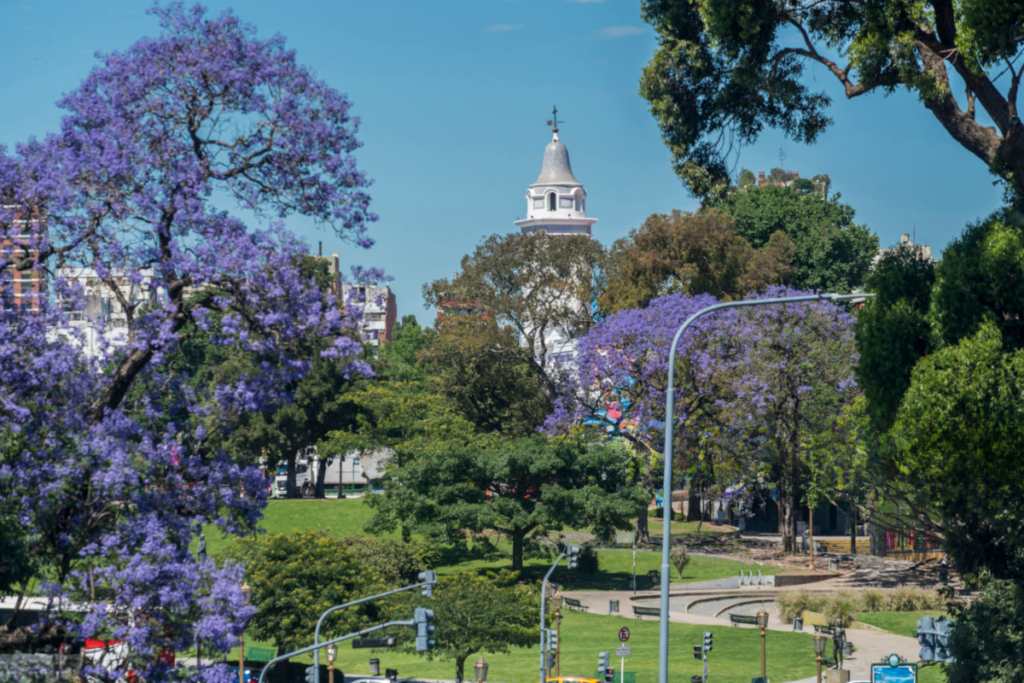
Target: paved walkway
pixel 871 646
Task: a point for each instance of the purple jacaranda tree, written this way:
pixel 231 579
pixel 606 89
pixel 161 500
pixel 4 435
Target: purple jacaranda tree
pixel 157 145
pixel 798 378
pixel 620 377
pixel 752 386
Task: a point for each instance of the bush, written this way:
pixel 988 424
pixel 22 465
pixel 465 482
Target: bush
pixel 913 600
pixel 872 600
pixel 794 603
pixel 841 607
pixel 393 561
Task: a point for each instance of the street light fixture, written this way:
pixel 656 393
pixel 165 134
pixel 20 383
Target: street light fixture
pixel 819 648
pixel 480 670
pixel 246 592
pixel 670 391
pixel 762 621
pixel 332 654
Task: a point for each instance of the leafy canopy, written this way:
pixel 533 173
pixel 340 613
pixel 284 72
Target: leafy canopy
pixel 726 69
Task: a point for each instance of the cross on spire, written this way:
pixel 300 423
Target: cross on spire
pixel 553 122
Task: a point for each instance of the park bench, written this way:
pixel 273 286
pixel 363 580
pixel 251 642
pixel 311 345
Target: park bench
pixel 738 619
pixel 639 612
pixel 574 604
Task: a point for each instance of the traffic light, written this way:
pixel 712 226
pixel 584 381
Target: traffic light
pixel 698 652
pixel 609 675
pixel 943 629
pixel 551 660
pixel 423 618
pixel 707 641
pixel 310 675
pixel 429 578
pixel 391 674
pixel 572 552
pixel 603 661
pixel 552 640
pixel 926 638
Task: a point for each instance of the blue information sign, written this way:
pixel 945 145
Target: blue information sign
pixel 895 670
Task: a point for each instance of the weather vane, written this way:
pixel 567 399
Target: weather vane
pixel 553 121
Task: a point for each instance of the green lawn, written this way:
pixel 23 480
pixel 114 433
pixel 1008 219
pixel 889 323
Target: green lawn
pixel 348 516
pixel 734 659
pixel 900 623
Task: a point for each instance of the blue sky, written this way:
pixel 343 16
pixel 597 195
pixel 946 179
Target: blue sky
pixel 454 96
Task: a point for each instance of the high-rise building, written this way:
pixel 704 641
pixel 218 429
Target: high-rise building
pixel 377 311
pixel 17 239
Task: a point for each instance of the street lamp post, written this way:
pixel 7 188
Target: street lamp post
pixel 355 464
pixel 666 537
pixel 762 621
pixel 246 592
pixel 819 648
pixel 480 670
pixel 557 602
pixel 332 654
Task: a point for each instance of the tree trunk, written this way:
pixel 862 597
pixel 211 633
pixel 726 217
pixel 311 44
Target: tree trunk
pixel 291 491
pixel 693 513
pixel 853 529
pixel 643 532
pixel 321 474
pixel 460 666
pixel 787 523
pixel 517 550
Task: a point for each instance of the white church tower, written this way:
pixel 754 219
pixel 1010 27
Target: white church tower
pixel 556 202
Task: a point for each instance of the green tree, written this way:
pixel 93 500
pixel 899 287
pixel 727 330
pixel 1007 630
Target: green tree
pixel 832 253
pixel 746 178
pixel 399 360
pixel 893 330
pixel 691 254
pixel 958 437
pixel 725 70
pixel 986 641
pixel 523 489
pixel 484 370
pixel 476 613
pixel 295 578
pixel 540 285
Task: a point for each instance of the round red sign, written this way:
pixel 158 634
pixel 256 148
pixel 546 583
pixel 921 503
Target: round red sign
pixel 623 634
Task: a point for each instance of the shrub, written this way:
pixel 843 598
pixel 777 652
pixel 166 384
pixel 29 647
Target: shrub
pixel 913 599
pixel 794 603
pixel 393 561
pixel 872 600
pixel 680 558
pixel 841 607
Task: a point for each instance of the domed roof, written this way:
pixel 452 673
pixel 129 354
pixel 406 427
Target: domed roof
pixel 555 169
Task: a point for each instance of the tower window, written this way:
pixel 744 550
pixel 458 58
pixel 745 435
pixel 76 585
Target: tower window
pixel 551 202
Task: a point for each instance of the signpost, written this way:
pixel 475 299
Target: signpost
pixel 624 652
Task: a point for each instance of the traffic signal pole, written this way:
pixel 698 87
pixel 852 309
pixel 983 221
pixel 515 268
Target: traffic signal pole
pixel 316 646
pixel 430 579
